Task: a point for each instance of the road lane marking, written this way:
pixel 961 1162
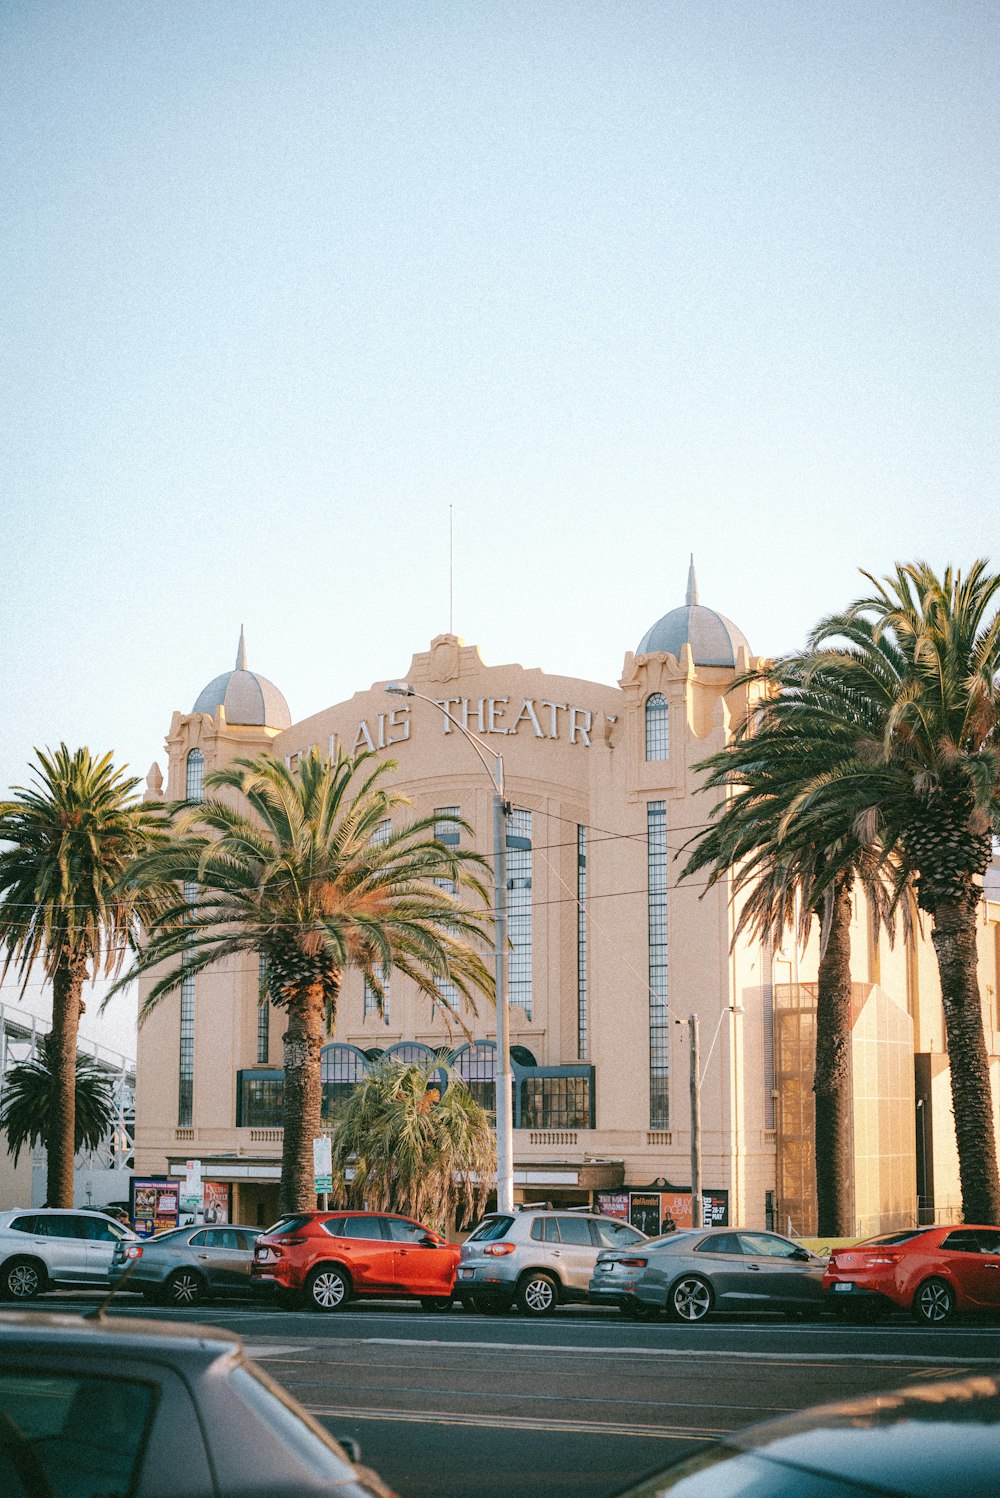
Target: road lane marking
pixel 517 1422
pixel 818 1359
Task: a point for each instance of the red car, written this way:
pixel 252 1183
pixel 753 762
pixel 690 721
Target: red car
pixel 332 1256
pixel 933 1272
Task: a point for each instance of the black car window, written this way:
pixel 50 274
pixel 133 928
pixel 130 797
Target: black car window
pixel 963 1240
pixel 334 1226
pixel 87 1433
pixel 490 1229
pixel 362 1227
pixel 989 1240
pixel 401 1231
pixel 60 1225
pixel 289 1224
pixel 101 1230
pixel 23 1224
pixel 246 1240
pixel 197 1240
pixel 545 1230
pixel 720 1243
pixel 768 1246
pixel 221 1238
pixel 575 1230
pixel 612 1233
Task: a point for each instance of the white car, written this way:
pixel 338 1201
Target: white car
pixel 48 1248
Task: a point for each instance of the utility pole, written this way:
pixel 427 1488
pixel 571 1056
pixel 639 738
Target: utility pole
pixel 696 1201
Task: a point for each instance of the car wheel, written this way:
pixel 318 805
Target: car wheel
pixel 22 1280
pixel 690 1299
pixel 538 1294
pixel 328 1288
pixel 436 1302
pixel 934 1303
pixel 185 1287
pixel 638 1310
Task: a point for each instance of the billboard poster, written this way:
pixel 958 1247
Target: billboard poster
pixel 215 1202
pixel 155 1205
pixel 644 1211
pixel 656 1212
pixel 613 1204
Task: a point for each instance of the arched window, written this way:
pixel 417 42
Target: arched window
pixel 341 1068
pixel 476 1064
pixel 194 780
pixel 657 727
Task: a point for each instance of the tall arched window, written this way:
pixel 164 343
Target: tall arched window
pixel 194 780
pixel 657 727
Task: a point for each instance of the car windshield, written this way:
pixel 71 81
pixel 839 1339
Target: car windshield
pixel 290 1224
pixel 493 1227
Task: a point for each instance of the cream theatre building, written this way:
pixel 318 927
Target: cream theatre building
pixel 609 956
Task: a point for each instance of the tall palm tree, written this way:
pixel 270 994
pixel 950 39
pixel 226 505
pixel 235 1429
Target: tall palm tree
pixel 924 651
pixel 410 1151
pixel 308 878
pixel 70 838
pixel 787 875
pixel 26 1113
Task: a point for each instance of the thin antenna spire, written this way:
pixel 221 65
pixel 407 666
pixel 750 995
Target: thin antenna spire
pixel 241 653
pixel 692 592
pixel 451 569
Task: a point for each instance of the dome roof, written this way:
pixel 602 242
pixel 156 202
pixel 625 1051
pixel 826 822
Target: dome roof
pixel 714 639
pixel 248 699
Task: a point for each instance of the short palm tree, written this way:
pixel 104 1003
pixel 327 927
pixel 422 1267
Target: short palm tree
pixel 26 1112
pixel 400 1147
pixel 924 651
pixel 310 879
pixel 786 875
pixel 70 837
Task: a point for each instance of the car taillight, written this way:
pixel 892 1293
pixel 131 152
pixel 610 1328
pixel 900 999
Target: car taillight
pixel 134 1251
pixel 497 1250
pixel 874 1259
pixel 634 1263
pixel 290 1242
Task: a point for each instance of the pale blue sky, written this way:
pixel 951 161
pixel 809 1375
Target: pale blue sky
pixel 282 281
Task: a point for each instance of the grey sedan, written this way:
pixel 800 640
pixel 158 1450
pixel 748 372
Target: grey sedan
pixel 186 1265
pixel 692 1273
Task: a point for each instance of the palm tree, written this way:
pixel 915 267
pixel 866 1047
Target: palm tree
pixel 924 651
pixel 312 881
pixel 26 1113
pixel 71 836
pixel 429 1156
pixel 788 874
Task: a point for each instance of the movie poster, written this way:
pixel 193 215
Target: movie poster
pixel 155 1206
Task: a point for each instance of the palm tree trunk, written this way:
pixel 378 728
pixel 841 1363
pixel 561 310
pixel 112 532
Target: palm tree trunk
pixel 832 1081
pixel 67 991
pixel 303 1097
pixel 954 938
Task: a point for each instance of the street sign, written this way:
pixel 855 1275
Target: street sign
pixel 322 1165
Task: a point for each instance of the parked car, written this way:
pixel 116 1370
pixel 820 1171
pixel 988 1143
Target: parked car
pixel 334 1256
pixel 48 1248
pixel 721 1269
pixel 618 1271
pixel 933 1272
pixel 185 1265
pixel 131 1406
pixel 938 1440
pixel 538 1258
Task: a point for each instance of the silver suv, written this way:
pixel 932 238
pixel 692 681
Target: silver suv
pixel 537 1258
pixel 48 1248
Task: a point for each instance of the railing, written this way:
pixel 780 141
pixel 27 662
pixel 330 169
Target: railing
pixel 659 1137
pixel 266 1136
pixel 185 1135
pixel 550 1136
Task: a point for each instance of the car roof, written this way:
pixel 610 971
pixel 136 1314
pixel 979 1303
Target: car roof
pixel 41 1330
pixel 924 1440
pixel 12 1212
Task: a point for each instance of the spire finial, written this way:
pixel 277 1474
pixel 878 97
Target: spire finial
pixel 692 592
pixel 241 653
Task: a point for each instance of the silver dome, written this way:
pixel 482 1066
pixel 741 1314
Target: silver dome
pixel 248 699
pixel 714 639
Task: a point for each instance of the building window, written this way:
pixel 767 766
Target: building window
pixel 341 1068
pixel 659 1006
pixel 476 1064
pixel 382 833
pixel 371 999
pixel 263 1013
pixel 657 727
pixel 185 1091
pixel 260 1099
pixel 556 1103
pixel 582 1018
pixel 447 833
pixel 519 908
pixel 194 779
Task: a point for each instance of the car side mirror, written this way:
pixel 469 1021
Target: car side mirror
pixel 802 1254
pixel 428 1242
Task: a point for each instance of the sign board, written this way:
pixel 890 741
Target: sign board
pixel 215 1202
pixel 653 1211
pixel 322 1165
pixel 155 1205
pixel 191 1194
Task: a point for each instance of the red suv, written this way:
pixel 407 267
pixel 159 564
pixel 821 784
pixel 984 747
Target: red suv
pixel 335 1255
pixel 934 1272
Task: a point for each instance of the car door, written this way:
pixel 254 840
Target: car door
pixel 576 1252
pixel 221 1256
pixel 100 1240
pixel 368 1252
pixel 973 1259
pixel 60 1238
pixel 787 1274
pixel 420 1268
pixel 734 1280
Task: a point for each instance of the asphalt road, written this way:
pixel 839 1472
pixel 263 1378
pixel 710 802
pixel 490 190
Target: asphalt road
pixel 462 1406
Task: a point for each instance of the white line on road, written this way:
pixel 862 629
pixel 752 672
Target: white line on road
pixel 680 1352
pixel 517 1422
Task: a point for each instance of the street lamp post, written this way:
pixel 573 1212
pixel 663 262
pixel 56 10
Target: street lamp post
pixel 504 1080
pixel 697 1077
